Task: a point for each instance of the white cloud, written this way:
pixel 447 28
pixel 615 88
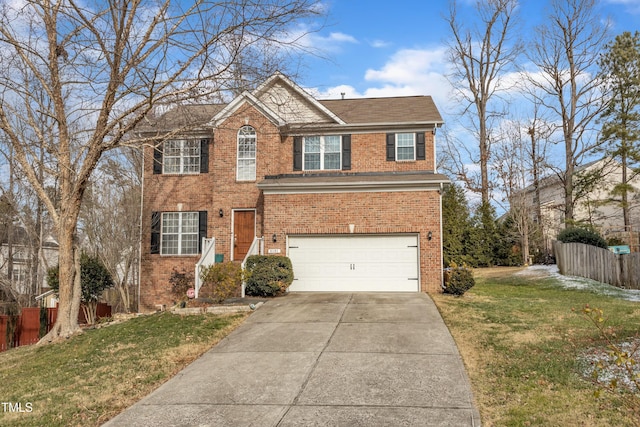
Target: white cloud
pixel 335 92
pixel 340 38
pixel 407 72
pixel 311 41
pixel 411 72
pixel 379 44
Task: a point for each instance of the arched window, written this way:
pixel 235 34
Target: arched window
pixel 246 170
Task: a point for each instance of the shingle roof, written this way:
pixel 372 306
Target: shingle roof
pixel 182 116
pixel 405 109
pixel 359 111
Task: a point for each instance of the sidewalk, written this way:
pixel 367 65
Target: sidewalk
pixel 322 359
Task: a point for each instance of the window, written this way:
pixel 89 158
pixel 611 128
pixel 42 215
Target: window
pixel 322 152
pixel 181 156
pixel 180 233
pixel 246 170
pixel 405 146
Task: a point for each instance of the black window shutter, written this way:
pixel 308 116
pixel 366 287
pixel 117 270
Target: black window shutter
pixel 202 228
pixel 421 152
pixel 297 153
pixel 155 232
pixel 204 155
pixel 346 152
pixel 391 147
pixel 157 159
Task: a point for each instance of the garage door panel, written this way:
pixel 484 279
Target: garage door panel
pixel 355 263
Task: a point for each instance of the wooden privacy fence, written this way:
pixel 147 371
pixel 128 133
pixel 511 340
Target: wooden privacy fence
pixel 602 265
pixel 28 323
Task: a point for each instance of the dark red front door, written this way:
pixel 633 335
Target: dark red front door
pixel 244 231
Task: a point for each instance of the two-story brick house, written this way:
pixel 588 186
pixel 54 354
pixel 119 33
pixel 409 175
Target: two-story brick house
pixel 346 188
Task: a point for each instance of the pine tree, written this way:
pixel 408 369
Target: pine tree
pixel 455 225
pixel 620 70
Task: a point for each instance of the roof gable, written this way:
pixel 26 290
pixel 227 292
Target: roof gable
pixel 240 100
pixel 292 103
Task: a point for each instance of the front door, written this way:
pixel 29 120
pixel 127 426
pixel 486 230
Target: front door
pixel 244 231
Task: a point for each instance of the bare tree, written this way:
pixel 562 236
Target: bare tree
pixel 77 77
pixel 565 54
pixel 481 56
pixel 110 218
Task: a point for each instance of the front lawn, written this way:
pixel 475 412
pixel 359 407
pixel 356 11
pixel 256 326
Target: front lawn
pixel 92 377
pixel 523 339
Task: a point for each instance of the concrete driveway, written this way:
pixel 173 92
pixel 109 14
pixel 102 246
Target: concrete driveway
pixel 322 359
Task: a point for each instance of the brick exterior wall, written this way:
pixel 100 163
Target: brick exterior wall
pixel 370 212
pixel 416 212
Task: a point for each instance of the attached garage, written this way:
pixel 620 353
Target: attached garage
pixel 355 263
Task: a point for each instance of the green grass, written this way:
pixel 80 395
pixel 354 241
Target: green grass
pixel 521 339
pixel 92 377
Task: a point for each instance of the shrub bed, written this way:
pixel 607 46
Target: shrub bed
pixel 268 275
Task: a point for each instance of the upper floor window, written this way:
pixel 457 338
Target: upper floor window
pixel 246 168
pixel 406 146
pixel 329 152
pixel 181 156
pixel 322 152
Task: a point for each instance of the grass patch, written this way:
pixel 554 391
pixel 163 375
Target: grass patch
pixel 521 338
pixel 94 376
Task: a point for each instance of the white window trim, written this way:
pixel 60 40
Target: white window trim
pixel 322 153
pixel 181 157
pixel 180 233
pixel 255 156
pixel 414 147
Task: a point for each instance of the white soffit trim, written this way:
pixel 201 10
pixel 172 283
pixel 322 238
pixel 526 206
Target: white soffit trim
pixel 353 187
pixel 310 99
pixel 234 105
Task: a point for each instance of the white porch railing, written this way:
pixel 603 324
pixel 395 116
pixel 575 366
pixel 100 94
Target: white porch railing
pixel 256 248
pixel 208 257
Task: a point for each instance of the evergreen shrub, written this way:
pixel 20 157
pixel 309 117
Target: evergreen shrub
pixel 458 280
pixel 582 235
pixel 268 275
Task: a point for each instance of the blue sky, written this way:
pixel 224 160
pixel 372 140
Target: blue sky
pixel 391 48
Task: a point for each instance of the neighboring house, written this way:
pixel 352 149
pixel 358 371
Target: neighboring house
pixel 22 256
pixel 348 189
pixel 593 206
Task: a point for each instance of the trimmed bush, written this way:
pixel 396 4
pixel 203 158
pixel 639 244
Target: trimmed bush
pixel 180 282
pixel 221 281
pixel 268 275
pixel 458 280
pixel 582 235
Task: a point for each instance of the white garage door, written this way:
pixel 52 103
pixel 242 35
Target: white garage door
pixel 355 263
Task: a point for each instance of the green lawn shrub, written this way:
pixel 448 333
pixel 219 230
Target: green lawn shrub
pixel 582 235
pixel 221 281
pixel 268 275
pixel 458 280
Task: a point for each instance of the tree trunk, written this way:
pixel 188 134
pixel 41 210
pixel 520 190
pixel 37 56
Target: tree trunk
pixel 625 193
pixel 70 290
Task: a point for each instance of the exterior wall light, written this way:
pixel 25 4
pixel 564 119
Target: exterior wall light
pixel 221 213
pixel 274 238
pixel 429 235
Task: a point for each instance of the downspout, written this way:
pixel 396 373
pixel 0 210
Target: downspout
pixel 140 231
pixel 440 192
